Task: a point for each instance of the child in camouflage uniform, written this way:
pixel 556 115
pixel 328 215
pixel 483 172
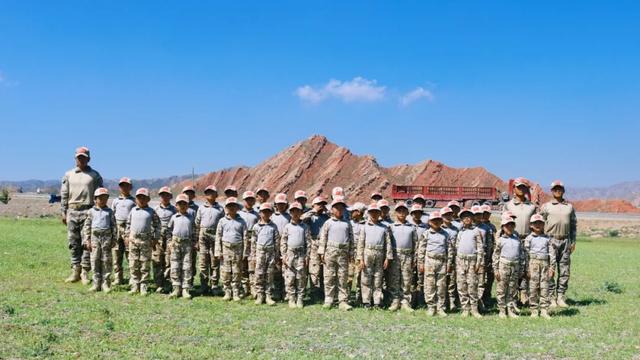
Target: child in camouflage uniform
pixel 336 249
pixel 121 207
pixel 265 251
pixel 142 235
pixel 508 262
pixel 540 254
pixel 373 255
pixel 295 247
pixel 404 239
pixel 435 262
pixel 469 254
pixel 232 247
pixel 160 258
pixel 183 236
pixel 99 233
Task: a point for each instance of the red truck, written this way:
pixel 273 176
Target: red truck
pixel 433 194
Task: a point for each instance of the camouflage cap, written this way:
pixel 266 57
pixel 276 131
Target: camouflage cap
pixel 83 151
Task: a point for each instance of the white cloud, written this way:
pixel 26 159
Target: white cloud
pixel 415 95
pixel 357 90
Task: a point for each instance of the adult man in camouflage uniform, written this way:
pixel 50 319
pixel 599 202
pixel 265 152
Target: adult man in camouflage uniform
pixel 523 209
pixel 560 224
pixel 76 192
pixel 121 207
pixel 316 219
pixel 159 256
pixel 336 249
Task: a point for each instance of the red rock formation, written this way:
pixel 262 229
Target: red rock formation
pixel 606 205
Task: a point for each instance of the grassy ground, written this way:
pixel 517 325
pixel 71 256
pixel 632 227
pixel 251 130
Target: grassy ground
pixel 40 316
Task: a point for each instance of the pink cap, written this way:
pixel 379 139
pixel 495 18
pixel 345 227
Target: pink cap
pixel 376 194
pixel 382 203
pixel 142 191
pixel 337 191
pixel 435 215
pixel 506 221
pixel 485 208
pixel 454 203
pixel 446 210
pixel 248 195
pixel 165 190
pixel 100 191
pixel 211 188
pixel 557 183
pixel 359 207
pixel 231 201
pixel 281 198
pixel 188 188
pixel 124 180
pixel 295 205
pixel 537 217
pixel 373 207
pixel 83 151
pixel 521 181
pixel 338 200
pixel 476 209
pixel 508 214
pixel 300 194
pixel 417 207
pixel 318 200
pixel 466 211
pixel 262 189
pixel 418 196
pixel 182 198
pixel 266 206
pixel 230 188
pixel 400 205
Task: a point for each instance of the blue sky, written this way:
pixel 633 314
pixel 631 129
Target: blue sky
pixel 539 89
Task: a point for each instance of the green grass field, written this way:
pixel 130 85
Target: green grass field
pixel 40 316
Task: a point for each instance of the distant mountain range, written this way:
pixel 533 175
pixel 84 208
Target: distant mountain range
pixel 629 191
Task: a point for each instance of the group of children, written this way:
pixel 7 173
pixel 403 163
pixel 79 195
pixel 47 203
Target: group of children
pixel 446 258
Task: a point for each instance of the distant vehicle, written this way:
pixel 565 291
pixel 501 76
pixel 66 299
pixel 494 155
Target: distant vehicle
pixel 433 194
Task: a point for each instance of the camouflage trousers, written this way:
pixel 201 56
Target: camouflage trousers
pixel 452 285
pixel 372 276
pixel 231 266
pixel 336 274
pixel 101 242
pixel 538 283
pixel 315 266
pixel 296 272
pixel 265 269
pixel 562 268
pixel 485 276
pixel 435 286
pixel 158 260
pixel 401 276
pixel 467 281
pixel 79 255
pixel 140 258
pixel 355 278
pixel 181 250
pixel 248 279
pixel 207 262
pixel 119 252
pixel 507 286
